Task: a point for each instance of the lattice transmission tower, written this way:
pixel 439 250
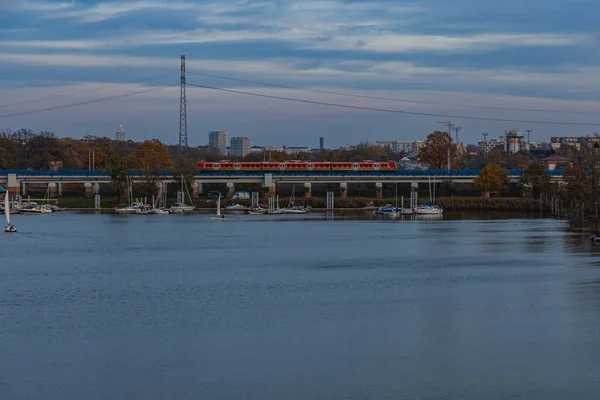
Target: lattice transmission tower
pixel 183 136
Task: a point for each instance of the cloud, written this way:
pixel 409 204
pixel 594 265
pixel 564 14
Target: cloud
pixel 398 43
pixel 568 79
pixel 104 11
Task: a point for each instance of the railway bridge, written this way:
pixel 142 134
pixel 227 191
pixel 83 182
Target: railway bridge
pixel 17 181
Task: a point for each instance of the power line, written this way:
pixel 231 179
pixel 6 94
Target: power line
pixel 389 98
pixel 392 111
pixel 82 103
pixel 58 96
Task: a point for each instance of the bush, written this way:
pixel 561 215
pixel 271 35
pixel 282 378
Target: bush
pixel 498 203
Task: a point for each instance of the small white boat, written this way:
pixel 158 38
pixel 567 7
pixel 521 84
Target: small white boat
pixel 430 209
pixel 135 208
pixel 258 211
pixel 181 207
pixel 33 208
pixel 10 228
pixel 236 207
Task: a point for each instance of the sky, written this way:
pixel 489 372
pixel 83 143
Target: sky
pixel 120 61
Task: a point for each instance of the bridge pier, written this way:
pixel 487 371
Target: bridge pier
pixel 52 190
pixel 343 190
pixel 307 190
pixel 13 188
pixel 379 189
pixel 88 190
pixel 230 190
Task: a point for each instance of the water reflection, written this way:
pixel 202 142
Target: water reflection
pixel 323 305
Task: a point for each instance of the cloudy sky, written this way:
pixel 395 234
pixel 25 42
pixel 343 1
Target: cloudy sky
pixel 507 58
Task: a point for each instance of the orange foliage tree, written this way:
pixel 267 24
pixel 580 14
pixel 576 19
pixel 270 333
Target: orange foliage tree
pixel 151 158
pixel 492 180
pixel 434 152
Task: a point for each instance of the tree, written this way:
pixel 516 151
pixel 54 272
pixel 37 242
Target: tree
pixel 434 151
pixel 151 159
pixel 499 157
pixel 492 180
pixel 575 179
pixel 536 179
pixel 118 167
pixel 519 160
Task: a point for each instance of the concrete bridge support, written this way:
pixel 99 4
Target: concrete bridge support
pixel 307 190
pixel 343 190
pixel 379 190
pixel 52 190
pixel 13 187
pixel 88 190
pixel 230 190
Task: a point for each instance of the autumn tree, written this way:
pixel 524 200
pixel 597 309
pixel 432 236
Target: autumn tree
pixel 536 179
pixel 492 180
pixel 499 157
pixel 151 159
pixel 520 160
pixel 118 167
pixel 435 150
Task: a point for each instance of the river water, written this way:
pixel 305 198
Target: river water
pixel 257 307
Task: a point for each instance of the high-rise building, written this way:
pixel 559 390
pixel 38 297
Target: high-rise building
pixel 514 141
pixel 240 146
pixel 121 134
pixel 321 143
pixel 218 140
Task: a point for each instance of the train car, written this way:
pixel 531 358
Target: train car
pixel 296 166
pixel 319 166
pixel 207 166
pixel 366 166
pixel 343 166
pixel 273 166
pixel 250 166
pixel 388 166
pixel 228 166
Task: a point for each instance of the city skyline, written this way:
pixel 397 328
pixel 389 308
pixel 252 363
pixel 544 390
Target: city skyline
pixel 388 49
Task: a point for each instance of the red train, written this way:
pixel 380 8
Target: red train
pixel 297 166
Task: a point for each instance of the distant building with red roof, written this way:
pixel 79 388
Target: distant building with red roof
pixel 551 162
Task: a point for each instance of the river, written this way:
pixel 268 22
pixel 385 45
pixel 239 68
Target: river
pixel 258 307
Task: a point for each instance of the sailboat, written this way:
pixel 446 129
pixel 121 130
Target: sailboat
pixel 219 215
pixel 10 228
pixel 180 205
pixel 430 208
pixel 293 209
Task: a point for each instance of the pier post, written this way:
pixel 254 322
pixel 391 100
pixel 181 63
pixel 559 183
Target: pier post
pixel 230 190
pixel 88 190
pixel 25 189
pixel 52 190
pixel 414 193
pixel 379 189
pixel 195 192
pixel 307 190
pixel 343 190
